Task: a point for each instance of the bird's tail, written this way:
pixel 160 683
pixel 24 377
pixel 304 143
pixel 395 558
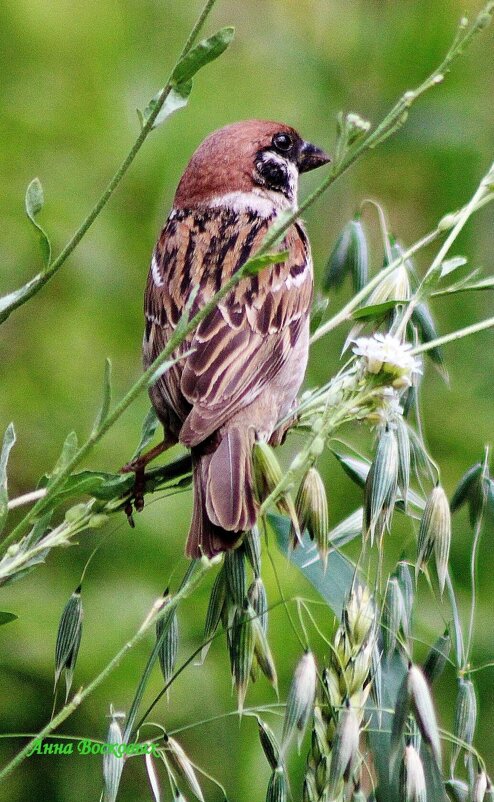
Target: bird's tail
pixel 224 503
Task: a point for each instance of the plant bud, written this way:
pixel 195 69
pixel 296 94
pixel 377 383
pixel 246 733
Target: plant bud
pixel 267 469
pixel 406 585
pixel 311 507
pixel 269 743
pixel 242 652
pixel 412 777
pixel 235 575
pixel 258 600
pixel 392 615
pixel 359 615
pixel 349 256
pixel 414 692
pixel 403 440
pixel 167 637
pixel 437 657
pixel 185 766
pixel 435 532
pixel 277 786
pixel 423 709
pixel 252 546
pixel 381 485
pixel 457 790
pixel 68 640
pixel 479 787
pixel 465 715
pixel 345 749
pixel 300 700
pixel 112 765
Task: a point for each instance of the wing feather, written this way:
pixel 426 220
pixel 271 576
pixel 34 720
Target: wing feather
pixel 245 342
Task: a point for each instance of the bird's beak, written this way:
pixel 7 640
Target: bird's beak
pixel 311 157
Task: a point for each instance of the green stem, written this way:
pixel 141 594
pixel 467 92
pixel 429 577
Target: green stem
pixel 488 323
pixel 182 331
pixel 38 281
pixel 473 559
pixel 150 621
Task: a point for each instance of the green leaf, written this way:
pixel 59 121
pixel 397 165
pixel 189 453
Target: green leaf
pixel 256 264
pixel 148 430
pixel 105 404
pixel 165 366
pixel 203 53
pixel 449 265
pixel 423 319
pixel 317 311
pixel 349 255
pixel 333 584
pixel 34 203
pixel 177 98
pixel 69 450
pixel 6 618
pixel 376 311
pixel 8 442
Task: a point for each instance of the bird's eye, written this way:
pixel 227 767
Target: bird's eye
pixel 282 142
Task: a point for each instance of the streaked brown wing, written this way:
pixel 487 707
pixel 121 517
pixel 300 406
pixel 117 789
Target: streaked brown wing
pixel 246 341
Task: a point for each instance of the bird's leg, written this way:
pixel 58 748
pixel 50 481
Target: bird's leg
pixel 138 467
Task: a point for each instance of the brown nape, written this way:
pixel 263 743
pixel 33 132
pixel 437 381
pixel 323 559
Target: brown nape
pixel 224 162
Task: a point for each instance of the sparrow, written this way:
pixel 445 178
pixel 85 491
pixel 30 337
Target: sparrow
pixel 243 366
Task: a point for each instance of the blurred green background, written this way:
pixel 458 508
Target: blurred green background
pixel 72 77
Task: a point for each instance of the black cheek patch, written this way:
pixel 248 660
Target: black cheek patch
pixel 274 174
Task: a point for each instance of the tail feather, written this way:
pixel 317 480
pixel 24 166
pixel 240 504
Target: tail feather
pixel 224 504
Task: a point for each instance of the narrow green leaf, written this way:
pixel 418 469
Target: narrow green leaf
pixel 6 618
pixel 177 98
pixel 376 311
pixel 467 487
pixel 105 404
pixel 449 265
pixel 34 203
pixel 203 53
pixel 259 262
pixel 165 366
pixel 423 319
pixel 334 585
pixel 8 442
pixel 483 284
pixel 319 306
pixel 69 450
pixel 148 430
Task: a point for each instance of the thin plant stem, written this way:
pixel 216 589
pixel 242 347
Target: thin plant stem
pixel 473 563
pixel 38 281
pixel 157 612
pixel 184 329
pixel 454 335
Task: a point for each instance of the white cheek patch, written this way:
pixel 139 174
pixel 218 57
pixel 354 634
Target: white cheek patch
pixel 241 202
pixel 155 272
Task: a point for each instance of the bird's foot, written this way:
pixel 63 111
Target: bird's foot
pixel 138 467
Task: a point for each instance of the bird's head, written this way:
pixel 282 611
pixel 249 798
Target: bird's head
pixel 252 163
